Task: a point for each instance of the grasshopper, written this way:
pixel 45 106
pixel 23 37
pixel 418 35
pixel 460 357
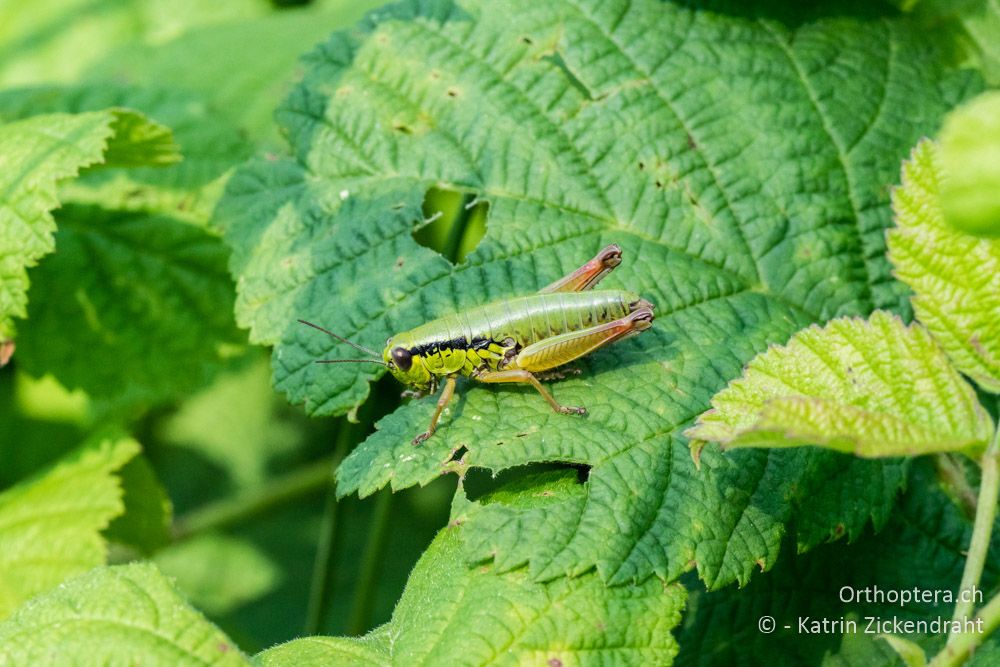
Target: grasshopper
pixel 513 340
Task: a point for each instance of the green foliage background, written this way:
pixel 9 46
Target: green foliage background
pixel 199 176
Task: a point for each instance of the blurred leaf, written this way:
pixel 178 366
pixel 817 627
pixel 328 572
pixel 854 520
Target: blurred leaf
pixel 140 143
pixel 50 525
pixel 244 84
pixel 187 190
pixel 124 615
pixel 372 650
pixel 983 28
pixel 956 277
pixel 239 424
pixel 450 614
pixel 582 123
pixel 969 157
pixel 37 153
pixel 218 573
pixel 910 652
pixel 44 398
pixel 865 387
pixel 146 522
pixel 147 298
pixel 39 423
pixel 978 24
pixel 57 40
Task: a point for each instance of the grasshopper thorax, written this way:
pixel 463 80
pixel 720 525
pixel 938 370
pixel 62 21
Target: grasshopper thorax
pixel 406 364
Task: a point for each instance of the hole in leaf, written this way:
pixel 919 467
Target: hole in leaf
pixel 540 477
pixel 454 223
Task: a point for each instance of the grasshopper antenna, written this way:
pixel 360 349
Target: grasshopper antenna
pixel 349 361
pixel 344 340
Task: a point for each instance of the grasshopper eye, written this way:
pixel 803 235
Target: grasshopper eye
pixel 402 358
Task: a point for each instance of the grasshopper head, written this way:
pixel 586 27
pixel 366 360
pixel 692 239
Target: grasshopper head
pixel 405 364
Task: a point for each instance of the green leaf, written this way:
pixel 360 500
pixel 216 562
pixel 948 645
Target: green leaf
pixel 956 277
pixel 909 651
pixel 922 547
pixel 50 526
pixel 140 143
pixel 450 614
pixel 976 24
pixel 148 516
pixel 154 319
pixel 187 190
pixel 58 40
pixel 865 387
pixel 983 28
pixel 35 155
pixel 129 614
pixel 970 156
pixel 372 650
pixel 239 425
pixel 248 83
pixel 219 573
pixel 583 123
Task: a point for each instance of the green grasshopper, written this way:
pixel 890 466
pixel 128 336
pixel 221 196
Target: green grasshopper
pixel 513 340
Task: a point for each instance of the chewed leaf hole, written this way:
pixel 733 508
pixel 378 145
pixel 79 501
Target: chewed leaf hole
pixel 543 479
pixel 454 223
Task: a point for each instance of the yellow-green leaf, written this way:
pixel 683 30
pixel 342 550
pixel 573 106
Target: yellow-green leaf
pixel 37 153
pixel 124 615
pixel 871 387
pixel 50 526
pixel 956 277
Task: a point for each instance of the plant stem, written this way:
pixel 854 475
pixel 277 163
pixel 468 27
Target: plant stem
pixel 371 563
pixel 319 586
pixel 953 476
pixel 278 491
pixel 982 530
pixel 960 643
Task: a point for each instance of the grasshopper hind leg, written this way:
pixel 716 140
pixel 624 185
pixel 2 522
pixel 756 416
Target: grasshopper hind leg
pixel 590 273
pixel 547 355
pixel 518 375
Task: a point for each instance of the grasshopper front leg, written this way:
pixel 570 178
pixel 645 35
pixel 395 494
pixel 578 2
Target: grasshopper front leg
pixel 443 400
